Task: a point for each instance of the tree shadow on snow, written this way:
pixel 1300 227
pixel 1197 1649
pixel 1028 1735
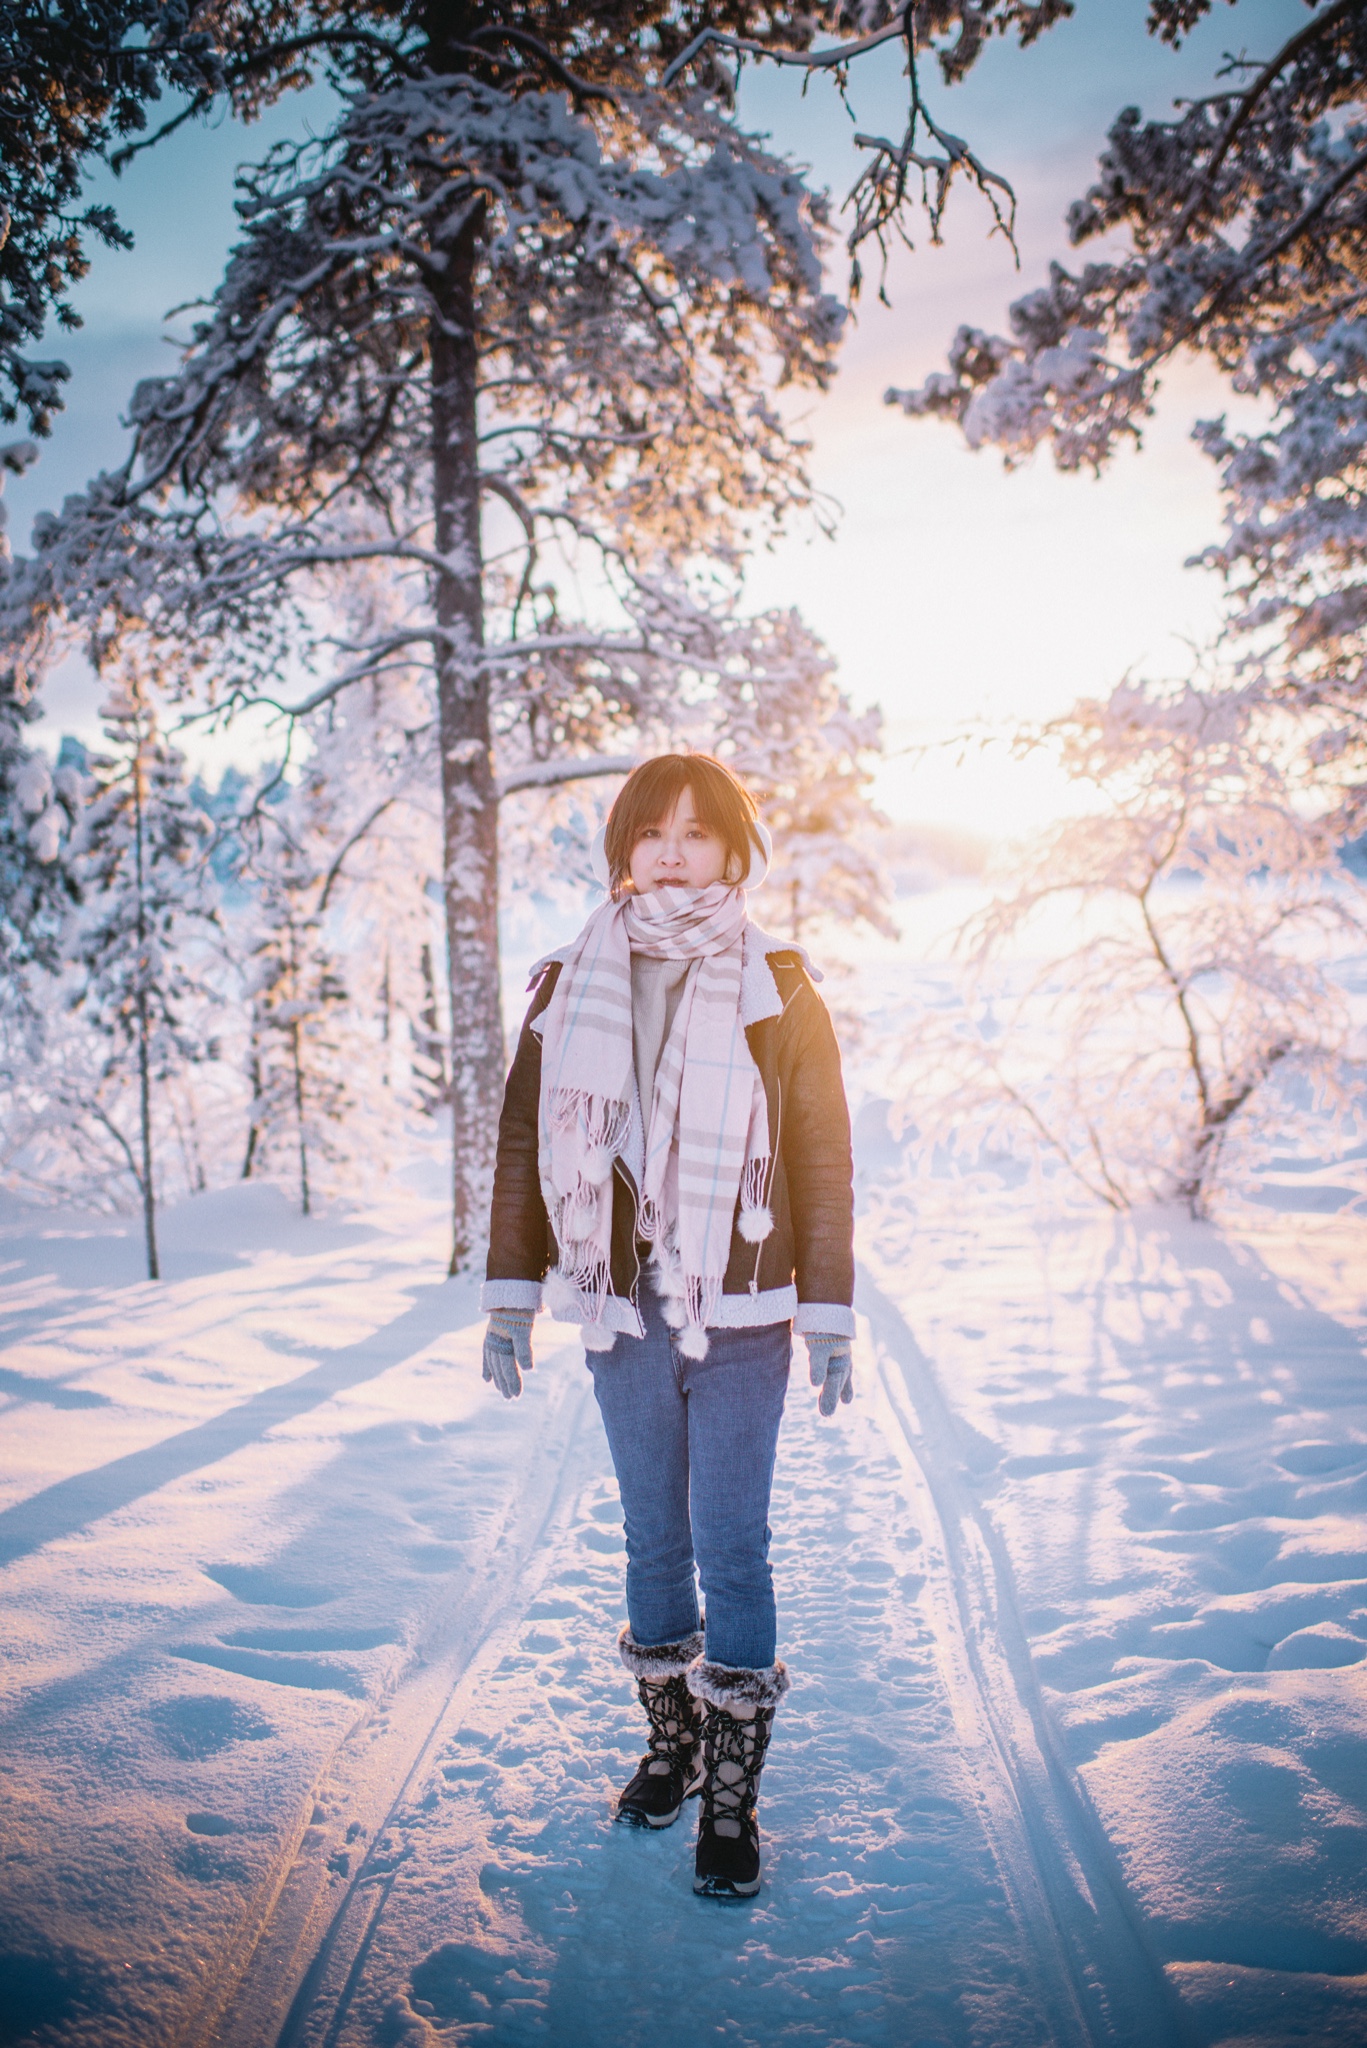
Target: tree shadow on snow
pixel 216 1232
pixel 71 1505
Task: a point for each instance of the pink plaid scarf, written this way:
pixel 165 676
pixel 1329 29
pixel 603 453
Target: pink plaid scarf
pixel 706 1125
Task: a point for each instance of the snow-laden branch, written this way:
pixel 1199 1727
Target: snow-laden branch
pixel 1208 907
pixel 1245 214
pixel 833 59
pixel 551 774
pixel 878 199
pixel 1329 18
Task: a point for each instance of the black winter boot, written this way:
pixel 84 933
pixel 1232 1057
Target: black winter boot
pixel 670 1770
pixel 738 1718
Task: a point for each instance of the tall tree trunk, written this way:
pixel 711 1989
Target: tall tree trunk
pixel 299 1118
pixel 149 1199
pixel 469 800
pixel 254 1128
pixel 429 1045
pixel 149 1195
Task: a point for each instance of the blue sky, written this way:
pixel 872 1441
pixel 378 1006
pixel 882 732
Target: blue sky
pixel 951 589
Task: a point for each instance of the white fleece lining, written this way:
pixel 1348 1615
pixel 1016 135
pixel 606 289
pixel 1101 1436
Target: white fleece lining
pixel 824 1319
pixel 735 1312
pixel 754 1311
pixel 619 1318
pixel 495 1294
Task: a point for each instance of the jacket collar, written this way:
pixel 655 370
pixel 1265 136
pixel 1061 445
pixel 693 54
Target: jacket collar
pixel 759 993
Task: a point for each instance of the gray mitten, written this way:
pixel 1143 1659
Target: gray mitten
pixel 508 1346
pixel 830 1364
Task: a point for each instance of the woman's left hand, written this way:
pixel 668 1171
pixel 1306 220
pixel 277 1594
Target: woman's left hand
pixel 830 1363
pixel 508 1350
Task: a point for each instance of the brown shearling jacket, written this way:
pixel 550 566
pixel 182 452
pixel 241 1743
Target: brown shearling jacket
pixel 803 1269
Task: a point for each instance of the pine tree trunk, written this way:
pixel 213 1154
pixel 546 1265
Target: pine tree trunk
pixel 430 1047
pixel 299 1114
pixel 149 1199
pixel 149 1195
pixel 254 1128
pixel 469 801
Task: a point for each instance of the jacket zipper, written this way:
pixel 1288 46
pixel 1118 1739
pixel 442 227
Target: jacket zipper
pixel 618 1168
pixel 769 1183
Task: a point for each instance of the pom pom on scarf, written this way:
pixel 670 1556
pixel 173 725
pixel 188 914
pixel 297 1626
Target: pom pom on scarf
pixel 561 1297
pixel 755 1225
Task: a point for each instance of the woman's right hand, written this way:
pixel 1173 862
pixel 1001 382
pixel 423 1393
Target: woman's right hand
pixel 830 1364
pixel 508 1350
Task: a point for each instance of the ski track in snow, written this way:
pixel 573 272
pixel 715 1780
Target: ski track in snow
pixel 1163 1428
pixel 558 1926
pixel 314 1722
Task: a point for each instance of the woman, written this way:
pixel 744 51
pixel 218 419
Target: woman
pixel 674 1165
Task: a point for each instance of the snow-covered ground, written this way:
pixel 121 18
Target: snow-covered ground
pixel 312 1717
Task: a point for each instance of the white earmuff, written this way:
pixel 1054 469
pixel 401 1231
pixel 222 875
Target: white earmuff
pixel 761 857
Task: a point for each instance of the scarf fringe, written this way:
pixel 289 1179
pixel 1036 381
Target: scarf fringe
pixel 702 1294
pixel 575 1290
pixel 756 1220
pixel 587 1107
pixel 601 1120
pixel 575 1217
pixel 688 1301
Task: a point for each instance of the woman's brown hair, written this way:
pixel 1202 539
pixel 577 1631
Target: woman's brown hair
pixel 648 796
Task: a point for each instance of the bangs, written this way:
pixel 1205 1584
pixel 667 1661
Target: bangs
pixel 648 797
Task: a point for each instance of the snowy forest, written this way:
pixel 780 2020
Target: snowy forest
pixel 459 496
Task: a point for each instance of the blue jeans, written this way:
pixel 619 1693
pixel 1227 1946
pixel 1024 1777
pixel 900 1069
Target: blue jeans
pixel 693 1444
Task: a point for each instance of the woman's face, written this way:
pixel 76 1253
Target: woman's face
pixel 679 851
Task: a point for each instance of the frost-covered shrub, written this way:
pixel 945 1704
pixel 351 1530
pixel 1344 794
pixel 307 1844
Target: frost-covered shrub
pixel 334 924
pixel 127 1000
pixel 1150 968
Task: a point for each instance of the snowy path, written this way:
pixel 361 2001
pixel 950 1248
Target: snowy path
pixel 1050 1847
pixel 311 1721
pixel 316 1721
pixel 498 1896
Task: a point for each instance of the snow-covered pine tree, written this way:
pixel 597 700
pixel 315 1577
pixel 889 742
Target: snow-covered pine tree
pixel 139 939
pixel 516 283
pixel 1157 966
pixel 338 853
pixel 297 1056
pixel 367 802
pixel 1242 217
pixel 37 811
pixel 429 1040
pixel 76 81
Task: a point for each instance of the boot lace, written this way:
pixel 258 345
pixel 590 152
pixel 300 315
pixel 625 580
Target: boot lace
pixel 735 1757
pixel 673 1730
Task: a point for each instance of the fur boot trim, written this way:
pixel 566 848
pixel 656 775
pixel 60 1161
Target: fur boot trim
pixel 723 1686
pixel 658 1660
